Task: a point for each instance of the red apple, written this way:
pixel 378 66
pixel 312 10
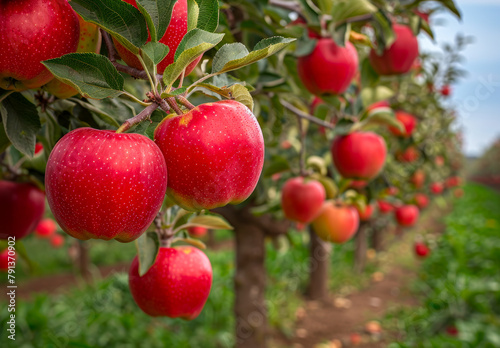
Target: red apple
pixel 286 144
pixel 21 207
pixel 407 156
pixel 34 31
pixel 46 228
pixel 172 38
pixel 302 200
pixel 421 200
pixel 214 155
pixel 421 249
pixel 446 90
pixel 399 57
pixel 437 188
pixel 453 181
pixel 197 231
pixel 89 41
pixel 57 241
pixel 418 178
pixel 458 192
pixel 105 185
pixel 452 330
pixel 367 213
pixel 409 123
pixel 359 155
pixel 177 285
pixel 302 22
pixel 336 223
pixel 358 184
pixel 392 191
pixel 329 68
pixel 407 215
pixel 385 207
pixel 4 260
pixel 377 105
pixel 38 148
pixel 439 161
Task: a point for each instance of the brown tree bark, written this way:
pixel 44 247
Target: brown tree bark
pixel 250 310
pixel 360 248
pixel 377 236
pixel 211 238
pixel 84 261
pixel 319 265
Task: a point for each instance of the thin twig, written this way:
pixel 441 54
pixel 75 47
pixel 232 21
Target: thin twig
pixel 287 5
pixel 173 104
pixel 184 102
pixel 143 115
pixel 302 157
pixel 305 116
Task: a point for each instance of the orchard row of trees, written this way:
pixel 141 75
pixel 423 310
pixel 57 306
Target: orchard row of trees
pixel 156 117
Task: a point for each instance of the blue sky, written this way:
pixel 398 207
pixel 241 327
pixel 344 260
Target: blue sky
pixel 476 97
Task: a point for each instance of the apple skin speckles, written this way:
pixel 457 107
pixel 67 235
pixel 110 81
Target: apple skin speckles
pixel 104 185
pixel 214 155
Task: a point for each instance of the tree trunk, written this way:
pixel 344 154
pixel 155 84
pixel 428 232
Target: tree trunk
pixel 84 261
pixel 361 246
pixel 319 264
pixel 211 238
pixel 378 238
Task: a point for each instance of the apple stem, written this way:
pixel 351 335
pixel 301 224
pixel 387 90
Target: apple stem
pixel 143 115
pixel 185 102
pixel 173 104
pixel 305 116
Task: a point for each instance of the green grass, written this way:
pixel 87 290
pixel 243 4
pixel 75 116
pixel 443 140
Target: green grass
pixel 460 282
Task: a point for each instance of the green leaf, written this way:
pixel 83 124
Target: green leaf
pixel 381 116
pixel 450 5
pixel 122 21
pixel 21 122
pixel 371 95
pixel 383 31
pixel 331 188
pixel 194 242
pixel 305 45
pixel 147 249
pixel 310 12
pixel 157 14
pixel 153 53
pixel 241 94
pixel 195 43
pixel 278 164
pixel 104 116
pixel 92 75
pixel 345 9
pixel 193 11
pixel 208 18
pixel 4 140
pixel 210 221
pixel 227 62
pixel 226 53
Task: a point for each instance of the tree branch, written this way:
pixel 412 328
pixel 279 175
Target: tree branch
pixel 287 5
pixel 143 115
pixel 305 116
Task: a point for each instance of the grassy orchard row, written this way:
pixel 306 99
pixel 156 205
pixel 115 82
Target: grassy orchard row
pixel 110 184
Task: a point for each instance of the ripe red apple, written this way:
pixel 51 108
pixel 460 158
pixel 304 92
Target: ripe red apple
pixel 458 192
pixel 46 228
pixel 407 156
pixel 446 90
pixel 38 148
pixel 4 260
pixel 105 185
pixel 359 155
pixel 437 188
pixel 34 31
pixel 302 200
pixel 392 191
pixel 439 161
pixel 385 207
pixel 452 330
pixel 421 200
pixel 418 178
pixel 358 184
pixel 197 231
pixel 336 223
pixel 367 213
pixel 397 59
pixel 177 285
pixel 329 68
pixel 214 154
pixel 377 105
pixel 409 123
pixel 172 38
pixel 89 41
pixel 407 215
pixel 421 249
pixel 21 207
pixel 57 241
pixel 453 181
